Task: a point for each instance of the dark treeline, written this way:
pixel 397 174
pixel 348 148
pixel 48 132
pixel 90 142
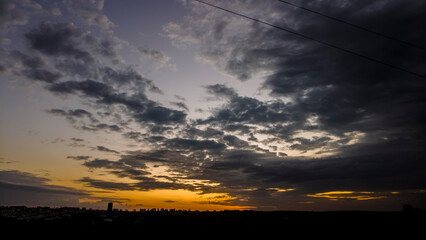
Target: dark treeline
pixel 409 220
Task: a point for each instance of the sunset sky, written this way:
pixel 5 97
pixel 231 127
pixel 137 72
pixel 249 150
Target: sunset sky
pixel 177 104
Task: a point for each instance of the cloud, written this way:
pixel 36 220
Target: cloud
pixel 161 115
pixel 246 173
pixel 84 120
pixel 106 185
pixel 351 95
pixel 77 139
pixel 180 98
pixel 32 62
pixel 42 75
pixel 72 115
pixel 143 185
pixel 221 91
pixel 330 122
pixel 21 178
pixel 22 188
pixel 90 12
pixel 154 54
pixel 105 149
pixel 102 126
pixel 234 141
pixel 103 163
pixel 78 55
pixel 17 13
pixel 107 47
pixel 142 109
pixel 194 145
pixel 79 158
pixel 305 144
pixel 239 109
pixel 207 133
pixel 33 67
pixel 180 105
pixel 58 39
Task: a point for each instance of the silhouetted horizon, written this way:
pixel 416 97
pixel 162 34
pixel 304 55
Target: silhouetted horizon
pixel 404 208
pixel 116 221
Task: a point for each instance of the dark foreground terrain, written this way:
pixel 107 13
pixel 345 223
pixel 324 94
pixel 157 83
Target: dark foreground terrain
pixel 72 220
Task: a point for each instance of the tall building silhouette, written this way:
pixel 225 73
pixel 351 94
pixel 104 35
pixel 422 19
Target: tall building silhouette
pixel 109 207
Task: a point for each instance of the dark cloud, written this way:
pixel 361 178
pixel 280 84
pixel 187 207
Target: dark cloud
pixel 194 145
pixel 39 189
pixel 234 141
pixel 180 105
pixel 127 76
pixel 77 139
pixel 221 91
pixel 22 188
pixel 142 109
pixel 144 137
pixel 136 136
pixel 325 91
pixel 133 166
pixel 304 144
pixel 89 88
pixel 42 75
pixel 143 185
pixel 246 114
pixel 58 39
pixel 154 54
pixel 79 55
pixel 161 115
pixel 107 47
pixel 106 185
pixel 31 62
pixel 249 173
pixel 21 178
pixel 105 149
pixel 193 132
pixel 72 115
pixel 84 120
pixel 102 126
pixel 354 94
pixel 242 128
pixel 103 163
pixel 79 157
pixel 34 67
pixel 139 158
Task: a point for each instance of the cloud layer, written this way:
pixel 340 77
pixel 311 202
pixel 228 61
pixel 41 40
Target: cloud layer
pixel 329 126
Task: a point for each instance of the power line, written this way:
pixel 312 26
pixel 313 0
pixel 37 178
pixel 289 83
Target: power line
pixel 314 39
pixel 355 25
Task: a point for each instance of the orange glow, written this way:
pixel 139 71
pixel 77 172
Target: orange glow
pixel 169 199
pixel 280 189
pixel 352 195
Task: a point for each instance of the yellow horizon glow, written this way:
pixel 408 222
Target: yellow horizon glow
pixel 168 199
pixel 353 195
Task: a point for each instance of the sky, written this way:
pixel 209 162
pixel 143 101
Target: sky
pixel 176 104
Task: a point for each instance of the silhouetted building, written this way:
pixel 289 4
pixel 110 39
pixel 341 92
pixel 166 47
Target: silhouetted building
pixel 109 207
